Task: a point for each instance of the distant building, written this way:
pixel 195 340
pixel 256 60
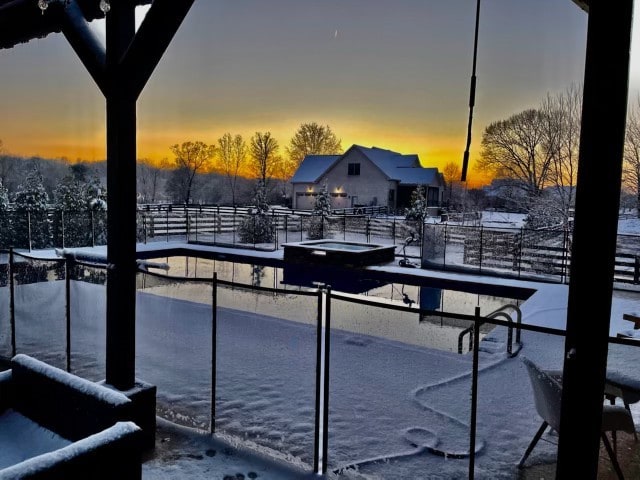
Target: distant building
pixel 365 176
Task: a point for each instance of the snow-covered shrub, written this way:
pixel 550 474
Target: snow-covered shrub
pixel 257 227
pixel 318 225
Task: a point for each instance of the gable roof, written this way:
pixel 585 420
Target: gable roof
pixel 313 167
pixel 405 169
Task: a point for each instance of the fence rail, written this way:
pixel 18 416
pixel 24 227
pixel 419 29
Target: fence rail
pixel 447 245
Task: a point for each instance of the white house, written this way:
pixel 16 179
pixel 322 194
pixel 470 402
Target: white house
pixel 365 176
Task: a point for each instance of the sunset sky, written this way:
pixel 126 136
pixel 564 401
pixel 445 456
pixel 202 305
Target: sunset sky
pixel 387 73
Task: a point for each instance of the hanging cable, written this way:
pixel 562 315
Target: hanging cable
pixel 472 97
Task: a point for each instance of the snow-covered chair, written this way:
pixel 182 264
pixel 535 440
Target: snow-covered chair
pixel 55 425
pixel 547 395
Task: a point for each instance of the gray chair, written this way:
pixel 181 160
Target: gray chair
pixel 547 395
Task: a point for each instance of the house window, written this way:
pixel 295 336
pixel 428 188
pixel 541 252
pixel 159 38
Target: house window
pixel 353 169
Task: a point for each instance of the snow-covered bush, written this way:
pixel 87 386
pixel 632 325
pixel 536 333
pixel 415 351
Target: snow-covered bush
pixel 80 212
pixel 318 225
pixel 257 227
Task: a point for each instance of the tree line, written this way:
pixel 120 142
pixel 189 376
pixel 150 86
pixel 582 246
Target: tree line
pixel 228 170
pixel 533 158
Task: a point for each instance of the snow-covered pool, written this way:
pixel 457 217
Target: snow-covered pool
pixel 434 331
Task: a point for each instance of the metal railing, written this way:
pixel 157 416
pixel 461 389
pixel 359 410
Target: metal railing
pixel 500 312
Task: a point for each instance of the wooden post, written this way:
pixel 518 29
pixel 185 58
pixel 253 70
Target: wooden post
pixel 602 135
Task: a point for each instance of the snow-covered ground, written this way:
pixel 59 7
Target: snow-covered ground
pixel 397 410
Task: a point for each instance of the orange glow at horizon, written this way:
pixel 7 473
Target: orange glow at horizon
pixel 155 147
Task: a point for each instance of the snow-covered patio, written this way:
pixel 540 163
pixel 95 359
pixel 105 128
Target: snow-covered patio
pixel 396 410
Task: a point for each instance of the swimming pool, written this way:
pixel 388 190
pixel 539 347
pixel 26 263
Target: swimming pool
pixel 414 328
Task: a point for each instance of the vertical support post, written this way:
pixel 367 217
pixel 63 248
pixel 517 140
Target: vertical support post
pixel 602 135
pixel 93 229
pixel 286 228
pixel 167 224
pixel 233 225
pixel 122 201
pixel 636 271
pixel 214 350
pixel 480 251
pixel 67 308
pixel 444 253
pixel 29 228
pixel 62 227
pixel 12 303
pixel 327 361
pixel 474 395
pixel 520 251
pixel 318 406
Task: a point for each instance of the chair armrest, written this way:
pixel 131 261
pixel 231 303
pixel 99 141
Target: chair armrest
pixel 6 390
pixel 110 454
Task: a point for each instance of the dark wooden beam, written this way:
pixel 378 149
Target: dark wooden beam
pixel 83 41
pixel 153 38
pixel 121 201
pixel 602 135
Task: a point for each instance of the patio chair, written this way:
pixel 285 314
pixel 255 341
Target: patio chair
pixel 547 395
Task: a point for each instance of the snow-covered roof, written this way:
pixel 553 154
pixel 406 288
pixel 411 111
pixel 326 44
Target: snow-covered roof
pixel 405 169
pixel 313 167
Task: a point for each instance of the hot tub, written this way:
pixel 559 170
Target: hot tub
pixel 335 252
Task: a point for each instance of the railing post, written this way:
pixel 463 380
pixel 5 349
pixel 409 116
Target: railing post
pixel 316 440
pixel 67 282
pixel 214 330
pixel 93 230
pixel 444 253
pixel 636 270
pixel 520 250
pixel 286 228
pixel 167 224
pixel 233 225
pixel 29 228
pixel 275 221
pixel 393 230
pixel 480 259
pixel 62 227
pixel 327 359
pixel 12 303
pixel 474 395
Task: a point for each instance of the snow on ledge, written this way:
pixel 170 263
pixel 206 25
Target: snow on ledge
pixel 37 464
pixel 73 381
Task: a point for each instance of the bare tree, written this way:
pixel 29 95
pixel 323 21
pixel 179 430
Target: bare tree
pixel 312 139
pixel 191 158
pixel 149 177
pixel 631 166
pixel 451 173
pixel 564 113
pixel 232 154
pixel 264 149
pixel 284 169
pixel 521 148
